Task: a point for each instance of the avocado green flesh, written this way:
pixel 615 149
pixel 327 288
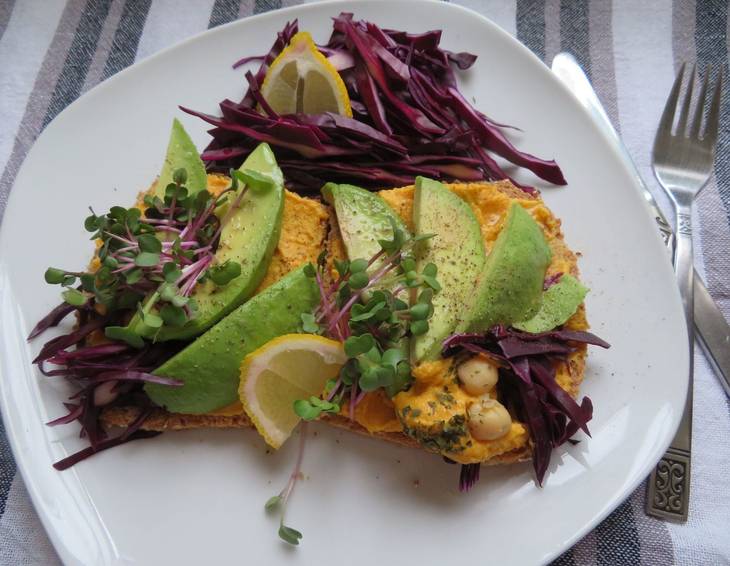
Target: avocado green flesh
pixel 456 249
pixel 249 237
pixel 181 154
pixel 363 217
pixel 509 288
pixel 559 303
pixel 210 366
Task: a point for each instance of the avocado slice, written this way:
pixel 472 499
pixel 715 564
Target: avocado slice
pixel 457 250
pixel 559 303
pixel 181 153
pixel 509 288
pixel 249 238
pixel 210 366
pixel 363 217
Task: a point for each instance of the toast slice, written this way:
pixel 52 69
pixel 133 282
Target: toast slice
pixel 308 226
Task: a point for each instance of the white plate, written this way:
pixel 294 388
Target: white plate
pixel 197 497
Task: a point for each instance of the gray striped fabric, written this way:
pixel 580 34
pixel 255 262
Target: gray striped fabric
pixel 52 51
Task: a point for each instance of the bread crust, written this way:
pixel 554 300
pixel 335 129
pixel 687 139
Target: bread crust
pixel 160 420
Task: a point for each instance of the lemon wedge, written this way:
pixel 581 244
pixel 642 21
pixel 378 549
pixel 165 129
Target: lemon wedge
pixel 291 367
pixel 301 79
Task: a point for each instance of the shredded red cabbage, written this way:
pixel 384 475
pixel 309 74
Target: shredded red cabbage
pixel 60 343
pixel 529 389
pixel 406 105
pixel 105 444
pixel 52 319
pixel 468 476
pixel 108 374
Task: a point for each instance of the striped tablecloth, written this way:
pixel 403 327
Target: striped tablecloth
pixel 51 51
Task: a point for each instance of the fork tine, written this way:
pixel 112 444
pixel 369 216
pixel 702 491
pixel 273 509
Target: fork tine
pixel 665 124
pixel 701 104
pixel 684 112
pixel 713 118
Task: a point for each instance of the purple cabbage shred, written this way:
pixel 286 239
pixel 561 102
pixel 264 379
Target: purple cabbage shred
pixel 406 105
pixel 107 374
pixel 528 386
pixel 468 476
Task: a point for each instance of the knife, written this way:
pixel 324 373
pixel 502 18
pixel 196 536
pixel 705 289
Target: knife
pixel 713 330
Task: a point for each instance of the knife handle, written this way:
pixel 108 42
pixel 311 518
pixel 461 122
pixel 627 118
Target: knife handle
pixel 669 483
pixel 713 331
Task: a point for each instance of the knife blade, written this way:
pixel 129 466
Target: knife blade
pixel 714 333
pixel 713 330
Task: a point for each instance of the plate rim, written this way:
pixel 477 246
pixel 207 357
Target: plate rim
pixel 14 439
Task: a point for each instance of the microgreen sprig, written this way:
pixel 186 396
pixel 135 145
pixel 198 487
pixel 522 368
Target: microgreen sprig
pixel 366 308
pixel 310 409
pixel 279 501
pixel 151 261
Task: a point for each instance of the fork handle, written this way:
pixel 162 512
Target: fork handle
pixel 669 483
pixel 684 268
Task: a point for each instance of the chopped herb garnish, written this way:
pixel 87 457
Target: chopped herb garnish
pixel 441 436
pixel 446 399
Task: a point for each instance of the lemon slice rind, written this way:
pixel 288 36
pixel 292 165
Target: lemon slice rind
pixel 301 79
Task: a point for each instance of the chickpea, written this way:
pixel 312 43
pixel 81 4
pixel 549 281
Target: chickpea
pixel 488 419
pixel 478 375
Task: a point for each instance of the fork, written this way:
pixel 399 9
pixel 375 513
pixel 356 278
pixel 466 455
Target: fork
pixel 683 159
